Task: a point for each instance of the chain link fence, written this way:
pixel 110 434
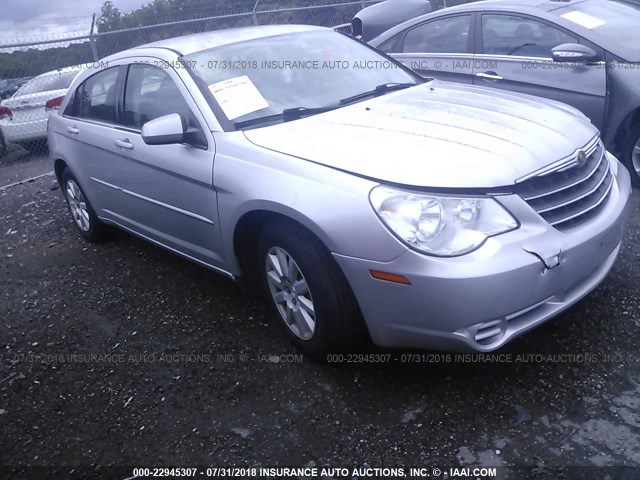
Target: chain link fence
pixel 36 71
pixel 26 92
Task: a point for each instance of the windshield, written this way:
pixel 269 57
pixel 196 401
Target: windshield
pixel 616 20
pixel 48 82
pixel 264 77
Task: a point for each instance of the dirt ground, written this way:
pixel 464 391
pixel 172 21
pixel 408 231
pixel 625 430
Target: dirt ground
pixel 122 354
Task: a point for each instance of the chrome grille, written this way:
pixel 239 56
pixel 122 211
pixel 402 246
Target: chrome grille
pixel 568 194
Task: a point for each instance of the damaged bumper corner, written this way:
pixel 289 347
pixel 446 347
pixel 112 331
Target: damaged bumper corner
pixel 480 301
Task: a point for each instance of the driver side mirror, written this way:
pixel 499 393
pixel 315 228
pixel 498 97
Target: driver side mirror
pixel 573 52
pixel 166 130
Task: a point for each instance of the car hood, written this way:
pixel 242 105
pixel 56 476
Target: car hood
pixel 438 134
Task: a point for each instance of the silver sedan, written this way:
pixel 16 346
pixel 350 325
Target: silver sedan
pixel 363 200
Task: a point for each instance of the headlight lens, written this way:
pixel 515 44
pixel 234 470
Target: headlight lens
pixel 441 225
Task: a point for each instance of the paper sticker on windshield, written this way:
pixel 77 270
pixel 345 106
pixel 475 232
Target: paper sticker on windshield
pixel 238 96
pixel 583 19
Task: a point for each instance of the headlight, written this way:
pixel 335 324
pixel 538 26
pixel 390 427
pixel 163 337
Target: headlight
pixel 440 225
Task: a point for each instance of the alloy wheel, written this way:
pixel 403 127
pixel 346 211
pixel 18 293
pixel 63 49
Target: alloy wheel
pixel 290 293
pixel 78 206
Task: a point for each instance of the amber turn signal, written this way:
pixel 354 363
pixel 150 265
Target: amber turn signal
pixel 389 277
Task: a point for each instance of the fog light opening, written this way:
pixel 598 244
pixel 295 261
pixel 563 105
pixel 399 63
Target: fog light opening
pixel 488 333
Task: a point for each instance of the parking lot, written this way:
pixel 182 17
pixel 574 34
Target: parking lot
pixel 122 354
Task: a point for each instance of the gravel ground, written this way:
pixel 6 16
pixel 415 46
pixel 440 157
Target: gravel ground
pixel 187 370
pixel 17 164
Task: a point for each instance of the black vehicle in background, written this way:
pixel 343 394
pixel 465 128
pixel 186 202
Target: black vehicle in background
pixel 376 19
pixel 10 86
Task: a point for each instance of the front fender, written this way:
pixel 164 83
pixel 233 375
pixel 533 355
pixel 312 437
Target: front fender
pixel 334 205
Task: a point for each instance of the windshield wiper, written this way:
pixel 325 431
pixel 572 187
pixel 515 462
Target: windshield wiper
pixel 379 90
pixel 293 113
pixel 298 112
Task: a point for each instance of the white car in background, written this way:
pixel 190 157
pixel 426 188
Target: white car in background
pixel 24 116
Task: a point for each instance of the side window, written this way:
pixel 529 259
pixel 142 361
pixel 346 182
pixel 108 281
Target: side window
pixel 151 93
pixel 520 36
pixel 446 35
pixel 390 45
pixel 98 96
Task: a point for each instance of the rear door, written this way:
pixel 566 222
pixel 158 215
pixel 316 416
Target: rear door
pixel 514 53
pixel 88 134
pixel 440 48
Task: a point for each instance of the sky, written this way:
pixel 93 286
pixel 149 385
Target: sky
pixel 36 19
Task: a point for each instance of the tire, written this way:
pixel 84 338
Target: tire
pixel 338 323
pixel 83 214
pixel 3 145
pixel 36 147
pixel 630 158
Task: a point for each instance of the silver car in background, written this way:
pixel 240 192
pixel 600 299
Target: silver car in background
pixel 364 200
pixel 581 52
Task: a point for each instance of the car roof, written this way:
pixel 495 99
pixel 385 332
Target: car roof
pixel 74 68
pixel 196 42
pixel 544 5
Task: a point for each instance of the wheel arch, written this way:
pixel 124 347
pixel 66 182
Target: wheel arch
pixel 246 240
pixel 247 231
pixel 58 168
pixel 632 118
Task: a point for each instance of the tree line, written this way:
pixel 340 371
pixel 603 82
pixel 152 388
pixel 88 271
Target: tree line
pixel 36 60
pixel 31 61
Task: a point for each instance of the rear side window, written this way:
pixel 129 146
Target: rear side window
pixel 390 45
pixel 97 96
pixel 151 93
pixel 446 35
pixel 520 36
pixel 49 82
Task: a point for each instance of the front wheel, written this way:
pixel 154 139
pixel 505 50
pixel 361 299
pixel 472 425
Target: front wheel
pixel 308 291
pixel 631 154
pixel 81 210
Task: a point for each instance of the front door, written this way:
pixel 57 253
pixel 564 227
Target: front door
pixel 515 54
pixel 169 188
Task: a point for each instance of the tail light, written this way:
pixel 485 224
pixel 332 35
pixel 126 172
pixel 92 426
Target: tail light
pixel 5 112
pixel 54 104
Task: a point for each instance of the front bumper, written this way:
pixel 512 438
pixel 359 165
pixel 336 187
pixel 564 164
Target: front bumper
pixel 479 302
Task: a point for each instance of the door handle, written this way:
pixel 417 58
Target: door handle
pixel 489 76
pixel 125 143
pixel 73 130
